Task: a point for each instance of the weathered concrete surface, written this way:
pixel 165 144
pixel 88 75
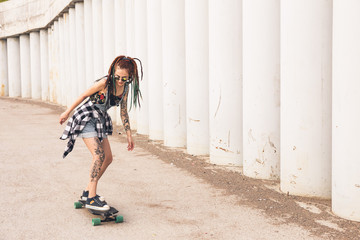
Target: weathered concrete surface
pixel 157 200
pixel 23 16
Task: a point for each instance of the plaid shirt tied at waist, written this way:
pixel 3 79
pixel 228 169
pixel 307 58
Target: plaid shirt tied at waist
pixel 78 121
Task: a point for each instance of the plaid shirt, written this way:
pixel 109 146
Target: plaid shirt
pixel 78 121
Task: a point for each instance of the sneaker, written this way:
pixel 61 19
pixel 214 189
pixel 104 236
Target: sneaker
pixel 95 204
pixel 85 196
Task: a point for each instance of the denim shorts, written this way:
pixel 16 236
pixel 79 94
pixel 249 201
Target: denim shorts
pixel 89 130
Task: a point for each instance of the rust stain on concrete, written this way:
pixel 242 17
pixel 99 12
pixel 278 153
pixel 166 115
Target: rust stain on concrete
pixel 225 150
pixel 194 120
pixel 2 93
pixel 259 161
pixel 271 143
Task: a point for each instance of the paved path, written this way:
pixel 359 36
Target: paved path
pixel 157 200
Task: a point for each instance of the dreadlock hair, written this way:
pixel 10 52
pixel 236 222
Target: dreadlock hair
pixel 129 64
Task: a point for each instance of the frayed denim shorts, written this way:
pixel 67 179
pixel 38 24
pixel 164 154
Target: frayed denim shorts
pixel 89 130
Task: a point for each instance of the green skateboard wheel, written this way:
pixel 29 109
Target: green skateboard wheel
pixel 119 219
pixel 96 221
pixel 77 205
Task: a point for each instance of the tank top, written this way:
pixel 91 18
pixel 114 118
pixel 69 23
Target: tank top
pixel 102 101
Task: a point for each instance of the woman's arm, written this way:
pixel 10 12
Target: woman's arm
pixel 95 88
pixel 124 115
pixel 125 121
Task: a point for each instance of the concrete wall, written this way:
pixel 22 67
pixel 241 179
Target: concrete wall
pixel 212 72
pixel 20 16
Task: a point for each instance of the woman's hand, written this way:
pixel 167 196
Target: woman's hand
pixel 63 117
pixel 131 144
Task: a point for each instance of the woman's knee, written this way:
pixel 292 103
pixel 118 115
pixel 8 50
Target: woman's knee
pixel 98 153
pixel 108 159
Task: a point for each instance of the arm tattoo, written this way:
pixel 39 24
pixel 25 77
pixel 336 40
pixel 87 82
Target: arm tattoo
pixel 99 159
pixel 124 114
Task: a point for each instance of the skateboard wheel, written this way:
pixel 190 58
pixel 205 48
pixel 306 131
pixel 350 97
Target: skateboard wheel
pixel 119 219
pixel 96 221
pixel 78 205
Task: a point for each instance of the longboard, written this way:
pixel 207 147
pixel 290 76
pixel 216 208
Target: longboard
pixel 106 216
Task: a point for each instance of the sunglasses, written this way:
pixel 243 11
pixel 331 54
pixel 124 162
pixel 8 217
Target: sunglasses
pixel 123 79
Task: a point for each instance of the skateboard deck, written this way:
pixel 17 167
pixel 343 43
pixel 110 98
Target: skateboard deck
pixel 106 216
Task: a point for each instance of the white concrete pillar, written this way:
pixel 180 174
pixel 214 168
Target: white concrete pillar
pixel 345 111
pixel 44 60
pixel 130 40
pixel 306 33
pixel 51 63
pixel 55 60
pixel 197 76
pixel 62 69
pixel 261 88
pixel 25 69
pixel 13 55
pixel 130 34
pixel 35 65
pixel 98 39
pixel 154 69
pixel 4 81
pixel 120 38
pixel 225 104
pixel 88 31
pixel 108 34
pixel 80 46
pixel 108 28
pixel 173 40
pixel 141 53
pixel 120 27
pixel 67 56
pixel 53 38
pixel 73 56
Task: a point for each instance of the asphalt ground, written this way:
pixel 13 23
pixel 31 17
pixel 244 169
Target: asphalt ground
pixel 158 199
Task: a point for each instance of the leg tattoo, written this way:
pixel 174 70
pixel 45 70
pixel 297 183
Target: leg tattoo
pixel 99 159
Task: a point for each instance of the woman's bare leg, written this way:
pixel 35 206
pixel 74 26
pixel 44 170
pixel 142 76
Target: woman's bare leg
pixel 108 156
pixel 98 154
pixel 102 157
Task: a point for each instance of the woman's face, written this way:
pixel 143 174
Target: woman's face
pixel 121 76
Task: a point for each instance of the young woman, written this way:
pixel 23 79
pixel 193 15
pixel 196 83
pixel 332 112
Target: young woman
pixel 93 124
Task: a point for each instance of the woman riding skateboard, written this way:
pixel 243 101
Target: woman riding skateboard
pixel 92 122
